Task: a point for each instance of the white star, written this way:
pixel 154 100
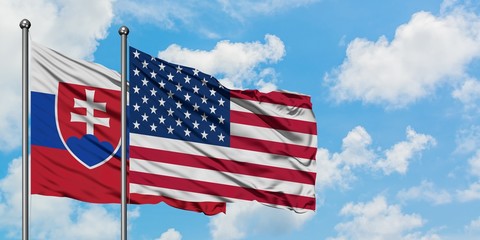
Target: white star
pixel 145 99
pixel 196 124
pixel 161 102
pixel 136 72
pixel 221 102
pixel 179 104
pixel 153 92
pixel 204 99
pixel 152 58
pixel 136 54
pixel 136 125
pixel 187 132
pixel 212 109
pixel 161 119
pixel 196 89
pixel 212 127
pixel 170 112
pixel 212 92
pixel 204 117
pixel 187 115
pixel 195 72
pixel 204 81
pixel 144 82
pixel 204 135
pixel 145 117
pixel 170 130
pixel 187 97
pixel 136 107
pixel 153 127
pixel 179 122
pixel 162 67
pixel 136 89
pixel 179 69
pixel 221 137
pixel 153 110
pixel 161 84
pixel 170 94
pixel 144 64
pixel 153 74
pixel 170 77
pixel 187 79
pixel 179 87
pixel 196 107
pixel 221 119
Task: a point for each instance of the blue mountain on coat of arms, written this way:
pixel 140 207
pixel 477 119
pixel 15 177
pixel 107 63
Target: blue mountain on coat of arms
pixel 90 150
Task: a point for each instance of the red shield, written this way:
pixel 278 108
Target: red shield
pixel 88 122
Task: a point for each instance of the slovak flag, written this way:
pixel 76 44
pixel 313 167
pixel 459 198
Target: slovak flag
pixel 75 128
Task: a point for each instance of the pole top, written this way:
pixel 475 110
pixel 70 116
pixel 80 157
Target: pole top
pixel 25 24
pixel 123 30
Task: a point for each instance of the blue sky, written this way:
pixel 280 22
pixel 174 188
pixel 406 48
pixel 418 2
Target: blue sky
pixel 395 89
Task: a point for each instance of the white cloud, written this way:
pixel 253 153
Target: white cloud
pixel 425 191
pixel 90 222
pixel 52 217
pixel 332 171
pixel 398 157
pixel 474 163
pixel 378 220
pixel 420 236
pixel 70 26
pixel 468 93
pixel 448 5
pixel 470 194
pixel 468 140
pixel 11 196
pixel 170 234
pixel 243 69
pixel 250 218
pixel 473 226
pixel 357 152
pixel 164 13
pixel 337 168
pixel 411 66
pixel 198 16
pixel 243 9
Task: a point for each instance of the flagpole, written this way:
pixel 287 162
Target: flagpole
pixel 123 31
pixel 25 26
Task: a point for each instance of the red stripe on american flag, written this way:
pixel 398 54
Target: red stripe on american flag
pixel 283 98
pixel 279 123
pixel 273 147
pixel 222 190
pixel 217 164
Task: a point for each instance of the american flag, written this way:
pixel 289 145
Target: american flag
pixel 194 140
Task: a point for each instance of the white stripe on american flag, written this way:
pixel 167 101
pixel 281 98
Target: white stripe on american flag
pixel 221 152
pixel 215 176
pixel 274 135
pixel 270 109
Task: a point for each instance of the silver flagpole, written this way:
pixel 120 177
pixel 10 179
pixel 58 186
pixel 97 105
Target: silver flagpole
pixel 123 31
pixel 25 26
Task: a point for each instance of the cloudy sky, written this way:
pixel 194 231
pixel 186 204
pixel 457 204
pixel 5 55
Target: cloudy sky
pixel 395 89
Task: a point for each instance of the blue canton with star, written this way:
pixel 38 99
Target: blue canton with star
pixel 178 102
